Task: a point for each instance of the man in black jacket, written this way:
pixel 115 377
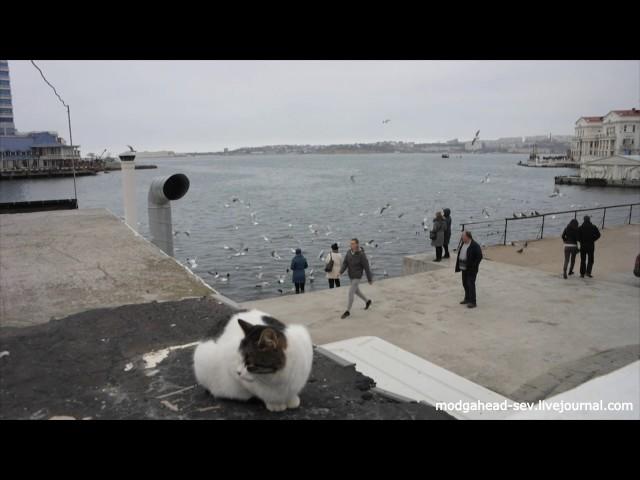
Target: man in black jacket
pixel 468 261
pixel 588 233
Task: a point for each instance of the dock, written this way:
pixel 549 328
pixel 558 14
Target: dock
pixel 595 182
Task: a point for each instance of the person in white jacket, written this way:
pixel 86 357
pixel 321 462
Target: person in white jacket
pixel 334 275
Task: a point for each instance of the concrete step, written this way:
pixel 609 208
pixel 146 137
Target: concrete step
pixel 408 375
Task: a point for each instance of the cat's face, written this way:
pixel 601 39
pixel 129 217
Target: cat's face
pixel 262 350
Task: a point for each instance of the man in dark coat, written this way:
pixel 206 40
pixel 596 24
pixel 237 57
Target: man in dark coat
pixel 588 234
pixel 447 233
pixel 468 262
pixel 356 263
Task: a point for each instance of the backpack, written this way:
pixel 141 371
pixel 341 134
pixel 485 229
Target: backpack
pixel 329 267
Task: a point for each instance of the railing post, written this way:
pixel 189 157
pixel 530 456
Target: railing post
pixel 505 232
pixel 604 214
pixel 542 228
pixel 630 210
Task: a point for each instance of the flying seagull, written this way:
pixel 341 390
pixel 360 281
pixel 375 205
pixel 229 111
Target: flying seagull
pixel 386 121
pixel 475 139
pixel 131 148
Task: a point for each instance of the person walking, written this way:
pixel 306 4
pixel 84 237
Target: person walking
pixel 570 239
pixel 333 262
pixel 356 262
pixel 588 234
pixel 436 235
pixel 298 265
pixel 468 262
pixel 447 233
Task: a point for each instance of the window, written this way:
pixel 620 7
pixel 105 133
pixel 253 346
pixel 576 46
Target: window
pixel 4 82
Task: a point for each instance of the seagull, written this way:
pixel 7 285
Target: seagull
pixel 260 275
pixel 319 257
pixel 521 250
pixel 275 255
pixel 263 284
pixel 281 279
pixel 386 121
pixel 131 148
pixel 475 139
pixel 486 214
pixel 280 290
pixel 486 179
pixel 266 239
pixel 525 244
pixel 353 178
pixel 384 208
pixel 401 215
pixel 226 205
pixel 192 262
pixel 290 225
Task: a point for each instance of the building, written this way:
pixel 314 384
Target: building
pixel 34 154
pixel 7 126
pixel 613 169
pixel 616 133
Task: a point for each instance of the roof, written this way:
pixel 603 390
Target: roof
pixel 620 160
pixel 627 113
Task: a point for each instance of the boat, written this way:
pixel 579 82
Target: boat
pixel 445 155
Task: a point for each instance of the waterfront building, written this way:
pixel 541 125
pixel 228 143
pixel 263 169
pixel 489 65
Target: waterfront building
pixel 7 126
pixel 616 133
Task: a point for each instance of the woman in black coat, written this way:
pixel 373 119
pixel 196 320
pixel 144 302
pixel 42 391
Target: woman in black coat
pixel 570 239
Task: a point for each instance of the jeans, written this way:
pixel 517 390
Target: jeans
pixel 354 288
pixel 334 281
pixel 299 287
pixel 469 284
pixel 569 252
pixel 586 264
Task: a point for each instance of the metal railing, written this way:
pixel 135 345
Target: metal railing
pixel 553 215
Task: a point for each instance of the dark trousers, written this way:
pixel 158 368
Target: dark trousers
pixel 438 253
pixel 469 284
pixel 334 281
pixel 299 287
pixel 586 264
pixel 569 253
pixel 446 250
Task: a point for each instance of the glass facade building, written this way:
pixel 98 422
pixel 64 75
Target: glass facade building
pixel 7 126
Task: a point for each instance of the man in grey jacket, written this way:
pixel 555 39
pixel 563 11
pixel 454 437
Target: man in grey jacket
pixel 356 262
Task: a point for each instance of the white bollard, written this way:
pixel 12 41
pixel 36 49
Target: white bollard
pixel 129 189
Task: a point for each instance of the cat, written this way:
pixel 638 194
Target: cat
pixel 255 355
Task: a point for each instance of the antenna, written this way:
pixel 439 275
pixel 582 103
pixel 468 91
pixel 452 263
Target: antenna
pixel 73 158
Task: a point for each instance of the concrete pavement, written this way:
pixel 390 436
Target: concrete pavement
pixel 533 333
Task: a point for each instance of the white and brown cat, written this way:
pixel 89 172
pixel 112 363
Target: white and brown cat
pixel 255 355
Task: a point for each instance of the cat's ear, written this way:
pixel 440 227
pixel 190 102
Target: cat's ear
pixel 246 326
pixel 268 339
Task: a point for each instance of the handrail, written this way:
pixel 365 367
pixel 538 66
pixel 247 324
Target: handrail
pixel 543 215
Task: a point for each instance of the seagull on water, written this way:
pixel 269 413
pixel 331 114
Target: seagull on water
pixel 192 262
pixel 384 208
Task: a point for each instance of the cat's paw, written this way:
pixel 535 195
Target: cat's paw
pixel 293 402
pixel 276 407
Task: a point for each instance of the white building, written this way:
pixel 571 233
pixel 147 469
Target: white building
pixel 617 133
pixel 615 168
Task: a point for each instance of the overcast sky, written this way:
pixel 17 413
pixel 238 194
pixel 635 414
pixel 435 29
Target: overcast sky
pixel 209 105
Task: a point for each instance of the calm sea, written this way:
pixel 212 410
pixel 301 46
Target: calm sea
pixel 291 196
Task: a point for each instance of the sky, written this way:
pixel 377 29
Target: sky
pixel 189 106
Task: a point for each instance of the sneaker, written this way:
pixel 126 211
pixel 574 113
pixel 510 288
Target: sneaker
pixel 366 307
pixel 345 314
pixel 464 302
pixel 471 305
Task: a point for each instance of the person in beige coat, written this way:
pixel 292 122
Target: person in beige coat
pixel 334 275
